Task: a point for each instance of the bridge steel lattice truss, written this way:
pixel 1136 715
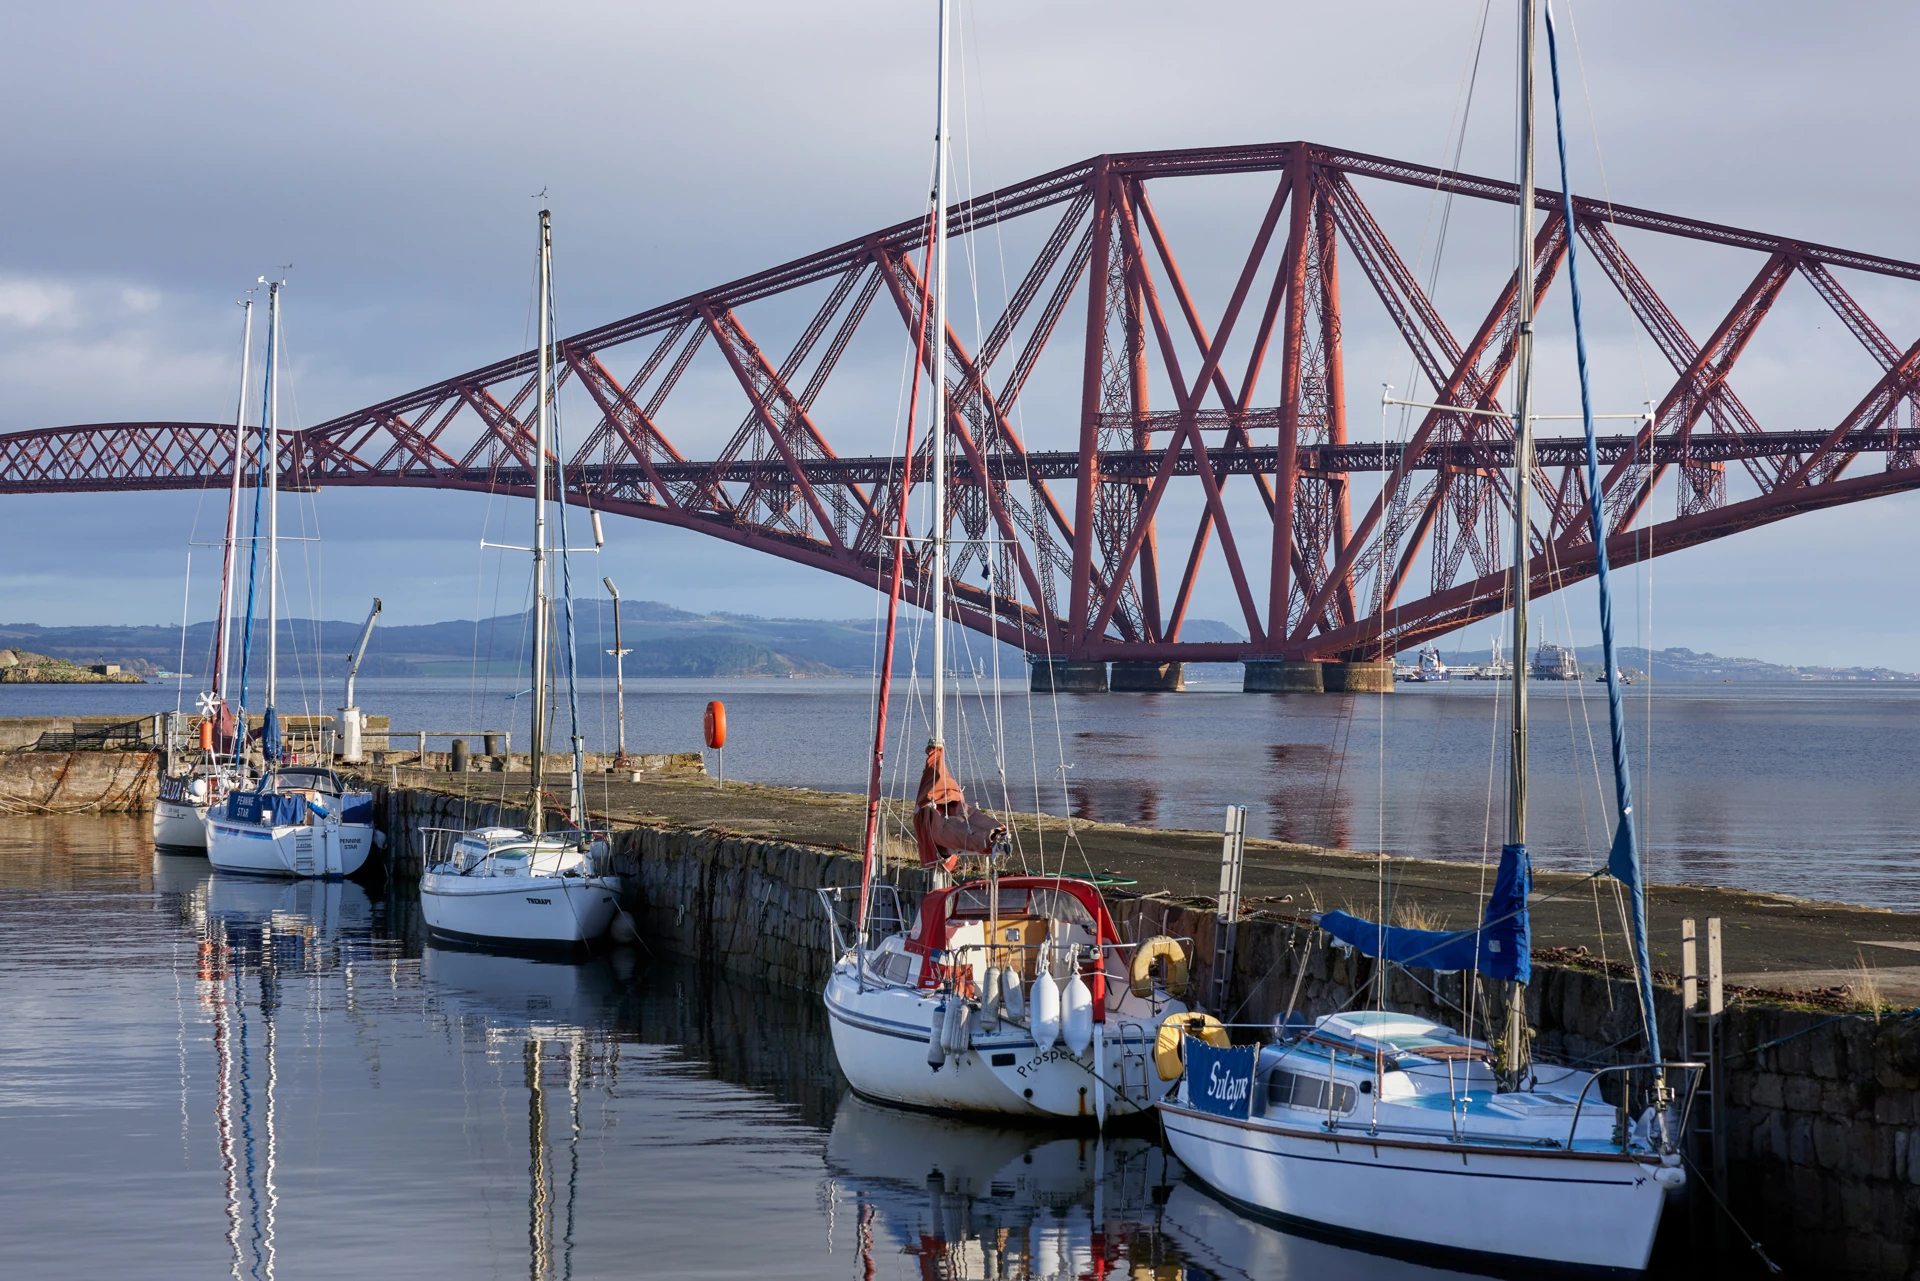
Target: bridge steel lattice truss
pixel 1066 554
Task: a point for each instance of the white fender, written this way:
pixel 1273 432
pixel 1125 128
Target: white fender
pixel 953 1037
pixel 1046 1011
pixel 1012 997
pixel 1076 1016
pixel 990 1000
pixel 936 1045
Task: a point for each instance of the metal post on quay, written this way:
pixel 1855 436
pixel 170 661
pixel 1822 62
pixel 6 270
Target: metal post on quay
pixel 619 653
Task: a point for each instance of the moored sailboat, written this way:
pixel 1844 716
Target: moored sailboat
pixel 1393 1127
pixel 299 820
pixel 526 887
pixel 185 797
pixel 1011 995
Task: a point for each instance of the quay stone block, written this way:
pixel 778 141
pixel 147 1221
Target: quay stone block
pixel 1800 1142
pixel 1831 1149
pixel 1823 1054
pixel 1769 1090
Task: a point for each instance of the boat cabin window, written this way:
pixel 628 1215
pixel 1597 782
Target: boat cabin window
pixel 1059 905
pixel 1301 1090
pixel 977 901
pixel 323 781
pixel 895 967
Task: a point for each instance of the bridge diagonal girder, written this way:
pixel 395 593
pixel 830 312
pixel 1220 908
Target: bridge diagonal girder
pixel 1626 485
pixel 1187 395
pixel 1335 586
pixel 905 285
pixel 1671 337
pixel 1494 343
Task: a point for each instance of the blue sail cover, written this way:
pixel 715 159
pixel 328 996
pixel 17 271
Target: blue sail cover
pixel 270 736
pixel 1500 949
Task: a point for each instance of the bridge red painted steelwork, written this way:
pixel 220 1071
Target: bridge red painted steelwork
pixel 1070 555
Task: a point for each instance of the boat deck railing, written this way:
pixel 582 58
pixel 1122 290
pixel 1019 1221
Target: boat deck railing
pixel 1692 1069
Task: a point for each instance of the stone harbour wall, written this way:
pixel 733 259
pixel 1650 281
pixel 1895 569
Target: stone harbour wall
pixel 78 782
pixel 1821 1110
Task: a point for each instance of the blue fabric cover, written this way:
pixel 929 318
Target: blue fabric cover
pixel 1220 1081
pixel 357 807
pixel 1500 949
pixel 270 736
pixel 267 809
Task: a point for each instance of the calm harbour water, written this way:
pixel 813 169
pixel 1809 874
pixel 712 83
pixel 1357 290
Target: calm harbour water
pixel 1798 789
pixel 204 1076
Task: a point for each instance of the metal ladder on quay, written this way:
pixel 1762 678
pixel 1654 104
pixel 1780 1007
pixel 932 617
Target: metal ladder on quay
pixel 1702 1003
pixel 1233 860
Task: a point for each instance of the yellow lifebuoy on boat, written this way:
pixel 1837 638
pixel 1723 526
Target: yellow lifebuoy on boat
pixel 1169 1048
pixel 1152 950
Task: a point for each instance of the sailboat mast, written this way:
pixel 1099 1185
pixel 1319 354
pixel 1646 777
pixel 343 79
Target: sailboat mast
pixel 1522 445
pixel 542 434
pixel 270 431
pixel 939 369
pixel 223 641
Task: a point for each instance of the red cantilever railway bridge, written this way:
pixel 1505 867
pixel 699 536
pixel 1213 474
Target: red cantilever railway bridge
pixel 1067 557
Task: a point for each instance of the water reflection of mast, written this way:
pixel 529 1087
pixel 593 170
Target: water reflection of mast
pixel 540 1162
pixel 235 1118
pixel 269 1002
pixel 212 967
pixel 539 1234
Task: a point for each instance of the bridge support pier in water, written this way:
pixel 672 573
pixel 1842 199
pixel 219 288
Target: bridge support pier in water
pixel 1358 678
pixel 1068 676
pixel 1148 678
pixel 1283 676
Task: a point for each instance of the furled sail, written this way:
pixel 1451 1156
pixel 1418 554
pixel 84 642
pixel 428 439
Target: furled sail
pixel 270 744
pixel 1501 948
pixel 1623 860
pixel 943 823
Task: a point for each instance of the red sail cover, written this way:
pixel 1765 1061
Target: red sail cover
pixel 943 823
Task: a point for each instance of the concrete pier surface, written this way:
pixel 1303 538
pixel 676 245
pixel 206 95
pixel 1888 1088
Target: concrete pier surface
pixel 1772 943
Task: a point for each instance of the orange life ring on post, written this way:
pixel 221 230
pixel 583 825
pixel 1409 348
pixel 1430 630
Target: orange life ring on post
pixel 716 725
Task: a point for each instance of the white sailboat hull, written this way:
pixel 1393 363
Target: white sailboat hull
pixel 1597 1213
pixel 880 1036
pixel 319 849
pixel 179 826
pixel 517 909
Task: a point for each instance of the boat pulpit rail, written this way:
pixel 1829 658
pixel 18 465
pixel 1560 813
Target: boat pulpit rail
pixel 1693 1070
pixel 884 913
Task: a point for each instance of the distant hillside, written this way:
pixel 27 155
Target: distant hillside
pixel 673 642
pixel 663 641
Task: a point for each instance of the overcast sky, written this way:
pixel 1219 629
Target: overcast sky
pixel 160 157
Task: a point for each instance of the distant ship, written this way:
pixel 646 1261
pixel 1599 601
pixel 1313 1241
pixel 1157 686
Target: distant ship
pixel 1430 667
pixel 1554 663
